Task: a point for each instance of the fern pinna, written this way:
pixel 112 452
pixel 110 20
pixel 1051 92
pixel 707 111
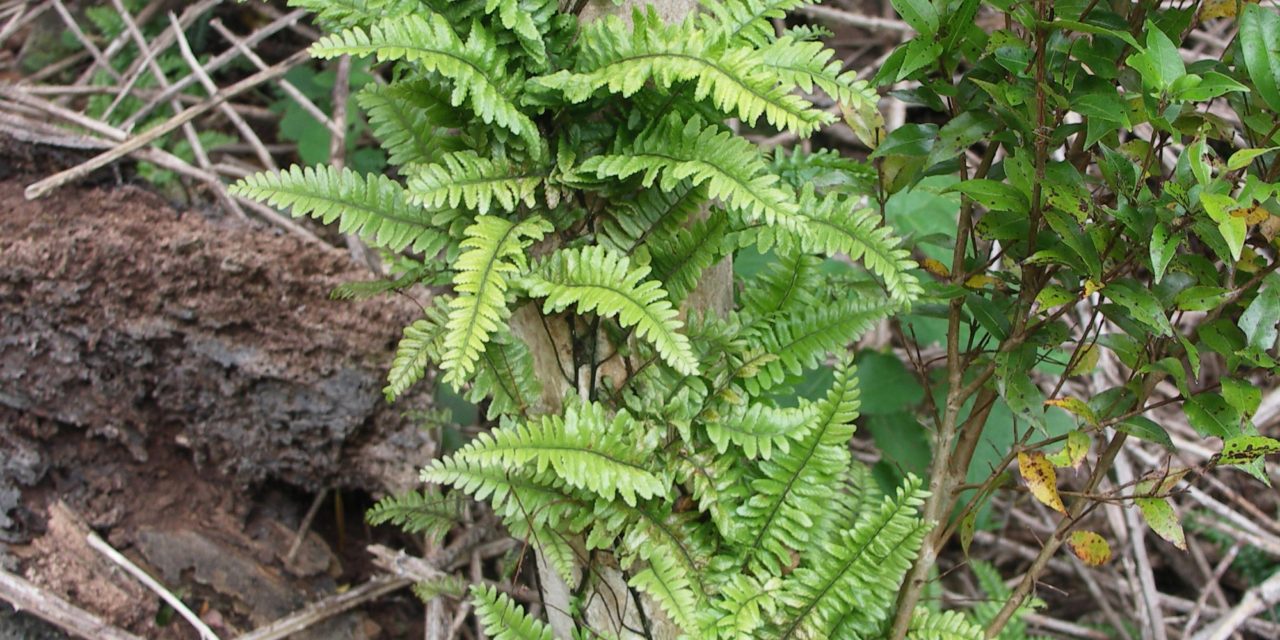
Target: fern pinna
pixel 582 174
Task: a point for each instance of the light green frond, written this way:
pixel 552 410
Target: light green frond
pixel 503 619
pixel 760 428
pixel 622 59
pixel 803 64
pixel 832 225
pixel 595 280
pixel 584 448
pixel 744 606
pixel 417 349
pixel 528 20
pixel 676 150
pixel 341 14
pixel 465 178
pixel 419 512
pixel 526 500
pixel 476 68
pixel 407 120
pixel 506 378
pixel 948 625
pixel 493 251
pixel 667 583
pixel 750 21
pixel 850 592
pixel 786 287
pixel 374 207
pixel 682 257
pixel 796 343
pixel 785 513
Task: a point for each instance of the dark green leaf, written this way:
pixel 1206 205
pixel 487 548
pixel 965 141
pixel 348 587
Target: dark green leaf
pixel 1260 47
pixel 1211 416
pixel 1145 429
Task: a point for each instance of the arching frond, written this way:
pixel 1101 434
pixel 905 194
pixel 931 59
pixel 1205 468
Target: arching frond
pixel 465 178
pixel 749 21
pixel 585 449
pixel 476 68
pixel 786 287
pixel 494 250
pixel 676 150
pixel 374 207
pixel 407 119
pixel 419 512
pixel 341 14
pixel 760 428
pixel 833 225
pixel 825 169
pixel 503 619
pixel 529 20
pixel 805 64
pixel 794 344
pixel 744 606
pixel 417 349
pixel 623 59
pixel 851 591
pixel 505 377
pixel 668 584
pixel 948 625
pixel 654 213
pixel 595 280
pixel 680 260
pixel 785 513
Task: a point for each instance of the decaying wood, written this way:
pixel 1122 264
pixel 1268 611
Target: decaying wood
pixel 25 596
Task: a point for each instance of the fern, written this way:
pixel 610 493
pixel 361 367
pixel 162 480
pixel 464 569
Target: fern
pixel 750 21
pixel 669 585
pixel 475 68
pixel 949 625
pixel 374 207
pixel 787 286
pixel 595 280
pixel 502 617
pixel 494 249
pixel 418 348
pixel 621 60
pixel 409 120
pixel 419 512
pixel 468 179
pixel 789 496
pixel 849 592
pixel 682 257
pixel 340 14
pixel 652 216
pixel 585 449
pixel 529 20
pixel 759 429
pixel 676 150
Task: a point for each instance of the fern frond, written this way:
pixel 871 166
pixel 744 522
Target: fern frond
pixel 948 625
pixel 417 349
pixel 374 207
pixel 365 289
pixel 803 64
pixel 750 21
pixel 668 585
pixel 584 448
pixel 786 287
pixel 676 150
pixel 467 178
pixel 445 585
pixel 622 60
pixel 794 344
pixel 760 428
pixel 476 68
pixel 528 20
pixel 850 591
pixel 494 250
pixel 526 500
pixel 833 225
pixel 505 376
pixel 503 619
pixel 594 279
pixel 407 120
pixel 825 169
pixel 681 258
pixel 784 513
pixel 419 512
pixel 744 606
pixel 654 214
pixel 341 14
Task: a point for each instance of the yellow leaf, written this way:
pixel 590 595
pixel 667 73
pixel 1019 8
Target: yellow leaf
pixel 1091 287
pixel 981 280
pixel 1214 9
pixel 1041 479
pixel 1073 452
pixel 936 268
pixel 867 123
pixel 1076 407
pixel 1087 361
pixel 1090 548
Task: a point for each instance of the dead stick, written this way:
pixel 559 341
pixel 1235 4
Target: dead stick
pixel 134 570
pixel 25 596
pixel 322 610
pixel 305 526
pixel 61 178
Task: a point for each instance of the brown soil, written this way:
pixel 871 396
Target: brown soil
pixel 183 385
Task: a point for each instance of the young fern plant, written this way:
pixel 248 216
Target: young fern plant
pixel 576 180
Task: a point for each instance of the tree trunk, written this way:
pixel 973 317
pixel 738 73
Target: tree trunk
pixel 612 606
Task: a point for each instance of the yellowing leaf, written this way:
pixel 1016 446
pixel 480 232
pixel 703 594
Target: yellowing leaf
pixel 866 122
pixel 1041 479
pixel 1087 361
pixel 1073 452
pixel 1054 296
pixel 981 280
pixel 936 268
pixel 1252 215
pixel 1090 548
pixel 1091 287
pixel 1159 484
pixel 1076 407
pixel 1213 9
pixel 1160 516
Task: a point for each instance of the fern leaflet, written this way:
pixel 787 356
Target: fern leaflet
pixel 466 178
